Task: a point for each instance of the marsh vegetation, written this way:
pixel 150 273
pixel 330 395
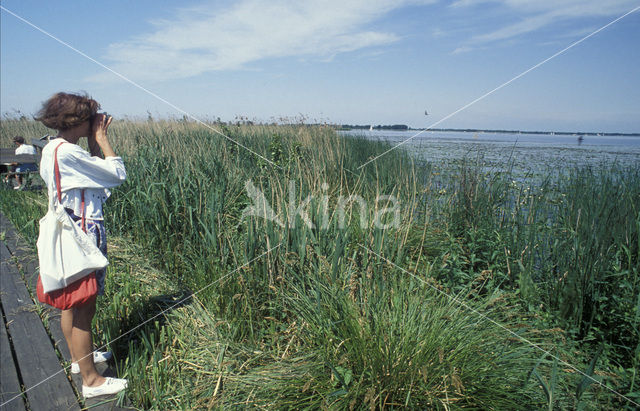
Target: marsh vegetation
pixel 491 292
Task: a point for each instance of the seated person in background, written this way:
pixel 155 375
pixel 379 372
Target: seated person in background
pixel 21 168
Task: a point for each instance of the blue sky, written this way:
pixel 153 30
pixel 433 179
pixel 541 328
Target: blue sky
pixel 356 62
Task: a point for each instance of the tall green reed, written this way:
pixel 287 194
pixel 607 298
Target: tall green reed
pixel 477 233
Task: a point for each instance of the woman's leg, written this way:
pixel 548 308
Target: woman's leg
pixel 83 345
pixel 66 323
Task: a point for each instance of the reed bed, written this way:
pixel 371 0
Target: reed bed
pixel 320 320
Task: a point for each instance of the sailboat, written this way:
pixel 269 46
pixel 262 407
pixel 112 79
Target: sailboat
pixel 371 127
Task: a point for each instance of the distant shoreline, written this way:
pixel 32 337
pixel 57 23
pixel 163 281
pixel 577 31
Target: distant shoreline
pixel 401 127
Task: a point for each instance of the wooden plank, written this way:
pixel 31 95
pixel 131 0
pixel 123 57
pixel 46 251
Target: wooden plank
pixel 46 383
pixel 7 151
pixel 9 383
pixel 24 255
pixel 5 224
pixel 28 261
pixel 6 158
pixel 10 235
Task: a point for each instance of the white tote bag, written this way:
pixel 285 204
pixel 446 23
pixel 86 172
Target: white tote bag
pixel 65 252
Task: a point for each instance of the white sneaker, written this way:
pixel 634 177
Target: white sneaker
pixel 98 356
pixel 109 386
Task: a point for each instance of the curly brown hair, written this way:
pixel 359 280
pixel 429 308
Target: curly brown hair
pixel 67 110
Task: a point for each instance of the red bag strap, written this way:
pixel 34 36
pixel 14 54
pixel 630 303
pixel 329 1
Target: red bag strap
pixel 56 171
pixel 84 225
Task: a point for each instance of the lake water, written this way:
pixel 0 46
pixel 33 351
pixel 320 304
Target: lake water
pixel 528 153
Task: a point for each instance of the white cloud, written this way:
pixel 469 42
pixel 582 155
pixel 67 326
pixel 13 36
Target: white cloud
pixel 437 33
pixel 209 38
pixel 532 15
pixel 462 49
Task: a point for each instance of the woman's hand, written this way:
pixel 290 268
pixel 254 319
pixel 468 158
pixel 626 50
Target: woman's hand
pixel 100 126
pixel 99 129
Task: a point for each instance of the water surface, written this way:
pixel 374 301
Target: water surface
pixel 536 154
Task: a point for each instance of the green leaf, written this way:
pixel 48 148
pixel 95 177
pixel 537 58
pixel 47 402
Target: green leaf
pixel 587 380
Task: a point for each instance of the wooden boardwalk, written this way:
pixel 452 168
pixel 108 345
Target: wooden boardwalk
pixel 32 376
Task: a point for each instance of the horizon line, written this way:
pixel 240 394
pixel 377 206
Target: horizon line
pixel 18 115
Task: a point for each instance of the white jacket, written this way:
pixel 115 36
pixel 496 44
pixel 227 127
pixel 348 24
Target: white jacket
pixel 25 149
pixel 79 170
